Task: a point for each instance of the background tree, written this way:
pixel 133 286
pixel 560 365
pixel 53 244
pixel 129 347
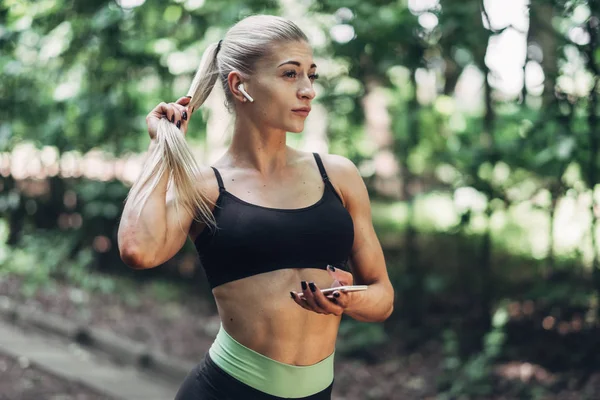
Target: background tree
pixel 483 181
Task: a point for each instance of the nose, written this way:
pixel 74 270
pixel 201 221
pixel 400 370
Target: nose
pixel 306 92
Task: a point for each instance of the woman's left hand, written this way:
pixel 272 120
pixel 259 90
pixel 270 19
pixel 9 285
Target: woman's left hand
pixel 334 303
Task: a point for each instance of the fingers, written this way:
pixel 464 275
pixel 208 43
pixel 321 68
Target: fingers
pixel 316 301
pixel 186 112
pixel 178 115
pixel 329 305
pixel 300 301
pixel 184 101
pixel 163 110
pixel 310 298
pixel 341 276
pixel 182 116
pixel 154 116
pixel 157 112
pixel 341 299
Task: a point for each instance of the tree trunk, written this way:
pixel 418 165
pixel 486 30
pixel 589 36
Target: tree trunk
pixel 16 215
pixel 487 141
pixel 487 288
pixel 542 33
pixel 414 293
pixel 552 216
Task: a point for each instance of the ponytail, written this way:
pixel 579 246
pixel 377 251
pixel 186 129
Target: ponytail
pixel 172 154
pixel 245 43
pixel 205 77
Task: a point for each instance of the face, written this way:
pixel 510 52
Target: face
pixel 282 87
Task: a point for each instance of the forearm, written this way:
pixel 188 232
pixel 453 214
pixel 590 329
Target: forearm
pixel 373 305
pixel 143 228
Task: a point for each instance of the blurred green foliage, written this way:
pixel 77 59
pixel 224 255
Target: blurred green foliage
pixel 477 186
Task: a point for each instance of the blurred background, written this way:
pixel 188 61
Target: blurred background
pixel 474 124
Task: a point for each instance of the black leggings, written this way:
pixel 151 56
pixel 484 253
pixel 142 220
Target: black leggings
pixel 206 381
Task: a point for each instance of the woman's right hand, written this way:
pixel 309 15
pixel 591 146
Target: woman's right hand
pixel 177 113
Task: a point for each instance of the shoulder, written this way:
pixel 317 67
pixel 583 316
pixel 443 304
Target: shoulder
pixel 338 168
pixel 345 177
pixel 339 165
pixel 341 170
pixel 207 182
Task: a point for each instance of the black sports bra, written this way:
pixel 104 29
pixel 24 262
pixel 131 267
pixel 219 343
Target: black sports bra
pixel 251 239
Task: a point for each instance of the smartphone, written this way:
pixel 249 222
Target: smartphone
pixel 346 289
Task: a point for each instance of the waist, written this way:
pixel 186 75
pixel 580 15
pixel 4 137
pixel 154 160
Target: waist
pixel 267 375
pixel 257 309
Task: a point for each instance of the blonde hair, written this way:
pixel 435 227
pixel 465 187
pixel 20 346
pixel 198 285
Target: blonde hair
pixel 244 44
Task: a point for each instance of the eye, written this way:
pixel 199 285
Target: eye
pixel 313 77
pixel 290 74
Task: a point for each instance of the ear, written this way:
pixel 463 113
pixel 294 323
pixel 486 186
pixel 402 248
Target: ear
pixel 233 80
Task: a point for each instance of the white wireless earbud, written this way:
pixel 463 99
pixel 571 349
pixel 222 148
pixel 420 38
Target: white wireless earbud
pixel 246 95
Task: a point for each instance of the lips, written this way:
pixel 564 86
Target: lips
pixel 304 111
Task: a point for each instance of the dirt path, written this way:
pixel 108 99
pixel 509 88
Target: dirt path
pixel 19 380
pixel 43 366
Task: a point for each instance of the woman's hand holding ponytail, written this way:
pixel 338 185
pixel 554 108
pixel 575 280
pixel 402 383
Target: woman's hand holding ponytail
pixel 176 112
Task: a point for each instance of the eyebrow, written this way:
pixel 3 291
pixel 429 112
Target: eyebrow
pixel 295 63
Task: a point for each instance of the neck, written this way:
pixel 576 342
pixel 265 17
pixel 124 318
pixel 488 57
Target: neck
pixel 263 150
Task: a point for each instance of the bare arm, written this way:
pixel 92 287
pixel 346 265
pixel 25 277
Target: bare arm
pixel 157 234
pixel 367 259
pixel 160 231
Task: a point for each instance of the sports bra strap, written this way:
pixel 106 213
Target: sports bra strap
pixel 321 167
pixel 219 179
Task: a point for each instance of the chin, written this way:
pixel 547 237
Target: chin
pixel 296 129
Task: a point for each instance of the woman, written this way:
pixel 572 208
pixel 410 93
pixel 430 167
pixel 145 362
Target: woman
pixel 278 219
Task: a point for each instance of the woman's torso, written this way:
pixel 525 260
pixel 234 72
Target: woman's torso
pixel 257 310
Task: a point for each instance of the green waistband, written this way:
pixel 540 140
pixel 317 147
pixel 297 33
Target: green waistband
pixel 268 375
